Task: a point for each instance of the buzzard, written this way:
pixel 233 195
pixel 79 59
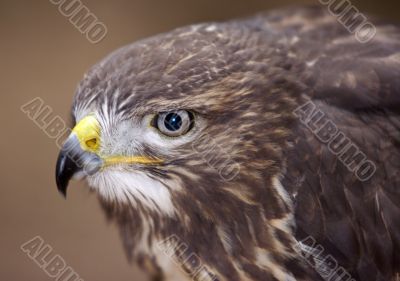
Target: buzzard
pixel 265 148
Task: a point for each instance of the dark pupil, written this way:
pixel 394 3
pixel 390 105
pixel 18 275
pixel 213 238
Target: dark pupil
pixel 173 121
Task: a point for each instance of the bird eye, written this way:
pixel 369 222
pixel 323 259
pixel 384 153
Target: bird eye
pixel 174 123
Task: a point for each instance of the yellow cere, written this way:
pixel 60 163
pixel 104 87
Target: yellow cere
pixel 88 134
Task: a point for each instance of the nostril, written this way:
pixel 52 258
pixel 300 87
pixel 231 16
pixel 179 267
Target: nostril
pixel 92 143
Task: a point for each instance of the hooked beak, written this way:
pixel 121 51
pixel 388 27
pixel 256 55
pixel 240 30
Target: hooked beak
pixel 78 155
pixel 74 161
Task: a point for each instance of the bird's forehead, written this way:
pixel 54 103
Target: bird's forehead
pixel 163 71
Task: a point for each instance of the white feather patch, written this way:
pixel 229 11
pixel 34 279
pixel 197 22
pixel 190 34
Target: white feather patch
pixel 132 187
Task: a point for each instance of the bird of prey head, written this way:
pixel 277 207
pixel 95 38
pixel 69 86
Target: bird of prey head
pixel 189 135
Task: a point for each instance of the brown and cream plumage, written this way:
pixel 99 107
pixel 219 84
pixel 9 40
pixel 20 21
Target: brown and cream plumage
pixel 246 180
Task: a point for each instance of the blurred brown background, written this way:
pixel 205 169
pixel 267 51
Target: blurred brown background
pixel 43 55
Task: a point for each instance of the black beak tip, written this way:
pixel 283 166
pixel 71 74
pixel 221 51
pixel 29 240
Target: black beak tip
pixel 63 173
pixel 63 193
pixel 62 189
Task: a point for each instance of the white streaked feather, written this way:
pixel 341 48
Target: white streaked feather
pixel 115 184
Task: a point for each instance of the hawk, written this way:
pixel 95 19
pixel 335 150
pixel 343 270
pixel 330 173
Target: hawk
pixel 264 148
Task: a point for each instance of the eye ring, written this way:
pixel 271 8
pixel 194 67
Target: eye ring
pixel 174 123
